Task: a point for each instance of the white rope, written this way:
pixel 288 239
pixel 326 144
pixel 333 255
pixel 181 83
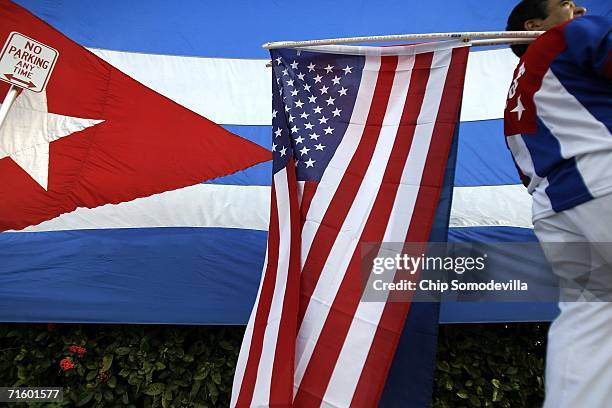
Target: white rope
pixel 504 37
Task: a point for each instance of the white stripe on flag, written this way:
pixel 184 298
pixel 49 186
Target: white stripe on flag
pixel 487 80
pixel 491 206
pixel 226 91
pixel 202 205
pixel 240 88
pixel 347 239
pixel 357 344
pixel 569 129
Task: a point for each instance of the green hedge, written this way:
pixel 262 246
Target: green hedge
pixel 192 366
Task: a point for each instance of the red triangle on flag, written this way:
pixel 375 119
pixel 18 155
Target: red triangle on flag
pixel 110 139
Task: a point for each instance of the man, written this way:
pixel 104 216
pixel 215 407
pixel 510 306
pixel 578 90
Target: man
pixel 558 126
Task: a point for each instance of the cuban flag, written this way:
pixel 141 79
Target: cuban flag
pixel 207 58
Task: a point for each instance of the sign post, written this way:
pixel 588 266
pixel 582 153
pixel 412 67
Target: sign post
pixel 8 102
pixel 26 64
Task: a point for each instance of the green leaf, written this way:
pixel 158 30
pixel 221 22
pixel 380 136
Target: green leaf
pixel 90 375
pixel 107 362
pixel 160 366
pixel 21 373
pixel 226 345
pixel 154 389
pixel 168 395
pixel 85 398
pixel 108 396
pixel 443 366
pixel 122 351
pixel 112 382
pixel 13 333
pixel 212 389
pixel 40 337
pixel 194 389
pixel 125 399
pixel 134 379
pixel 495 383
pixel 496 395
pixel 462 394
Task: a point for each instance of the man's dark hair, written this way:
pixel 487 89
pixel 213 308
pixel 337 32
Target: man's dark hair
pixel 525 10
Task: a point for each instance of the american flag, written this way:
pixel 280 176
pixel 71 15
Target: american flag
pixel 361 137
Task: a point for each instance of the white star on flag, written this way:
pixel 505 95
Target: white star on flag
pixel 28 130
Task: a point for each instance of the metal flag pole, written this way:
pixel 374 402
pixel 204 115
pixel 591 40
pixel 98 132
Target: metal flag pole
pixel 482 38
pixel 10 97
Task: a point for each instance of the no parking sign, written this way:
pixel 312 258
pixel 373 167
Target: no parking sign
pixel 26 63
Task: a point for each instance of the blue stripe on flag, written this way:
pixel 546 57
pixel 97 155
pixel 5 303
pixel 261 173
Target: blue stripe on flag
pixel 237 29
pixel 152 275
pixel 484 159
pixel 472 312
pixel 562 173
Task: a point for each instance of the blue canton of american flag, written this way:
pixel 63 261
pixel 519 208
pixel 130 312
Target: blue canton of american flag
pixel 312 102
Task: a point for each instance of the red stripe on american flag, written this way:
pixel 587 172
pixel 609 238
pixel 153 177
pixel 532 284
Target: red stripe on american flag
pixel 345 194
pixel 263 309
pixel 310 188
pixel 341 315
pixel 281 386
pixel 394 315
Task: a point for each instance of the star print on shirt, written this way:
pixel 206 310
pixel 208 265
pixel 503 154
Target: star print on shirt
pixel 519 109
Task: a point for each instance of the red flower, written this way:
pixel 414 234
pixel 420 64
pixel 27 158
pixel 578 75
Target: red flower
pixel 78 349
pixel 50 327
pixel 66 364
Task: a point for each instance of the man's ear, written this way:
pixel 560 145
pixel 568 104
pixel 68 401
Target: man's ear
pixel 534 24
